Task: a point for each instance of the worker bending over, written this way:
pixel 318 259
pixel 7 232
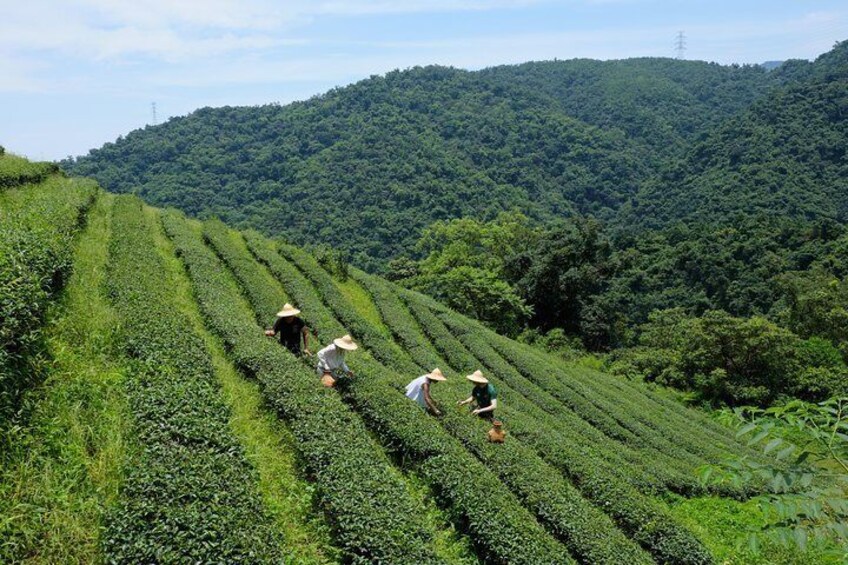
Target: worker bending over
pixel 484 394
pixel 331 360
pixel 419 390
pixel 291 329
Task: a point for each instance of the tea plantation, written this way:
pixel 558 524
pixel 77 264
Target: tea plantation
pixel 145 417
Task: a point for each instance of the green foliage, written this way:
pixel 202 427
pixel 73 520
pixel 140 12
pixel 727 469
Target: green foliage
pixel 783 155
pixel 367 167
pixel 560 275
pixel 15 171
pixel 467 242
pixel 189 493
pixel 724 525
pixel 63 466
pixel 478 293
pixel 333 260
pixel 463 267
pixel 554 341
pixel 817 305
pixel 373 517
pixel 37 229
pixel 809 503
pixel 733 361
pixel 472 495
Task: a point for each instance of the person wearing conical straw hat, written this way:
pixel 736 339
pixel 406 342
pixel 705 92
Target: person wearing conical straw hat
pixel 419 390
pixel 331 360
pixel 483 394
pixel 291 330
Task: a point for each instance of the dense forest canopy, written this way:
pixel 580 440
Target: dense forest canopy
pixel 367 167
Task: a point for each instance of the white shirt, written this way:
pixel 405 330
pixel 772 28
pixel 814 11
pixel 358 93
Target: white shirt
pixel 415 390
pixel 331 358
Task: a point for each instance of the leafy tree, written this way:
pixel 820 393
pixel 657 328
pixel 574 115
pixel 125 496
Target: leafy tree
pixel 817 305
pixel 809 481
pixel 560 275
pixel 479 293
pixel 732 361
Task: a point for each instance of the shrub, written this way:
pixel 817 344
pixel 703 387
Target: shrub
pixel 189 494
pixel 373 516
pixel 38 225
pixel 503 531
pixel 16 171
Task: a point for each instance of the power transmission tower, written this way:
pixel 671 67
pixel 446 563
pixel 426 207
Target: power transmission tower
pixel 153 111
pixel 680 45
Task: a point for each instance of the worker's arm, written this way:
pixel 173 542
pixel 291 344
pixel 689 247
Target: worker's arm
pixel 429 400
pixel 488 408
pixel 466 401
pixel 275 328
pixel 306 340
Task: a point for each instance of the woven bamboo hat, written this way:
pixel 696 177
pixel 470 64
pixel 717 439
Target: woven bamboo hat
pixel 436 375
pixel 288 310
pixel 477 377
pixel 346 342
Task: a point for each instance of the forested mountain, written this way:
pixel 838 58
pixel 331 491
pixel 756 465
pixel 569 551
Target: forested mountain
pixel 368 166
pixel 785 155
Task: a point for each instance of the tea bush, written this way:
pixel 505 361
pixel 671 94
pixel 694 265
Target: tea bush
pixel 37 229
pixel 15 171
pixel 189 494
pixel 606 485
pixel 503 531
pixel 374 518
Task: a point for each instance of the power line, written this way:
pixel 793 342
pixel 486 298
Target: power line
pixel 153 111
pixel 680 45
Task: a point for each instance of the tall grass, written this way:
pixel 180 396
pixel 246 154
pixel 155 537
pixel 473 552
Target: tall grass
pixel 65 466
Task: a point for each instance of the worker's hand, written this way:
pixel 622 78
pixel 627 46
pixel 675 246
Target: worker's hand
pixel 307 353
pixel 269 333
pixel 437 412
pixel 475 411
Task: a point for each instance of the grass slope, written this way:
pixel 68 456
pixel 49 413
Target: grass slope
pixel 66 465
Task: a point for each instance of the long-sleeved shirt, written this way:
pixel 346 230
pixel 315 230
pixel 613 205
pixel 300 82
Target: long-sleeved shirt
pixel 415 391
pixel 331 358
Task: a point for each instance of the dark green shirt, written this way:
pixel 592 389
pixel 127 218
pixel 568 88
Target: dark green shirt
pixel 484 395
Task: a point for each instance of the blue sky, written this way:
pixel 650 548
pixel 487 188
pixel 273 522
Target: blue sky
pixel 75 74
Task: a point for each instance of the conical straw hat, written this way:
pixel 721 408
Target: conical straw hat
pixel 477 377
pixel 288 310
pixel 346 342
pixel 436 375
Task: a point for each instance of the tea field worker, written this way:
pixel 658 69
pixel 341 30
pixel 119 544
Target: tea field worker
pixel 331 360
pixel 291 330
pixel 419 390
pixel 484 394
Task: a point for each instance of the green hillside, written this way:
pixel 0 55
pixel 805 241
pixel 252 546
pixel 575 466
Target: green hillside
pixel 148 419
pixel 366 167
pixel 785 155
